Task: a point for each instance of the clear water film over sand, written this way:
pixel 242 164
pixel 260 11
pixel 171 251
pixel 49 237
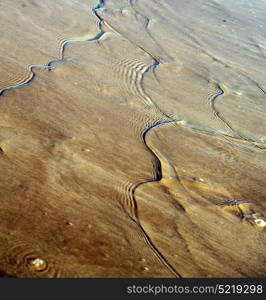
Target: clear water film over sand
pixel 132 138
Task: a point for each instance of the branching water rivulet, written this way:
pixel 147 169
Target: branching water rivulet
pixel 138 84
pixel 27 82
pixel 51 65
pixel 148 101
pixel 135 216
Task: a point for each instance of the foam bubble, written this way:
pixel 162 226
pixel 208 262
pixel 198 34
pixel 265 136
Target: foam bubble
pixel 260 222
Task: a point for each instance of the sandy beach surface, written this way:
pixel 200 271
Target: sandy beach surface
pixel 132 138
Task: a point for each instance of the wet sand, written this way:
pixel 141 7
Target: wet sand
pixel 132 138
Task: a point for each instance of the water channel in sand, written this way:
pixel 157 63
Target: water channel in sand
pixel 132 137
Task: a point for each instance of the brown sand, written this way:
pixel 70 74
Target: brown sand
pixel 132 138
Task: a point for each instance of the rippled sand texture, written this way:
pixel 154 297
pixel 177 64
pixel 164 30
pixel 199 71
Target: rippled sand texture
pixel 132 138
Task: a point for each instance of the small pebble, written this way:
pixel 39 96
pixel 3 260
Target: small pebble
pixel 37 264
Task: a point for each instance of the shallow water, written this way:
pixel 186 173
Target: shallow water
pixel 132 139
